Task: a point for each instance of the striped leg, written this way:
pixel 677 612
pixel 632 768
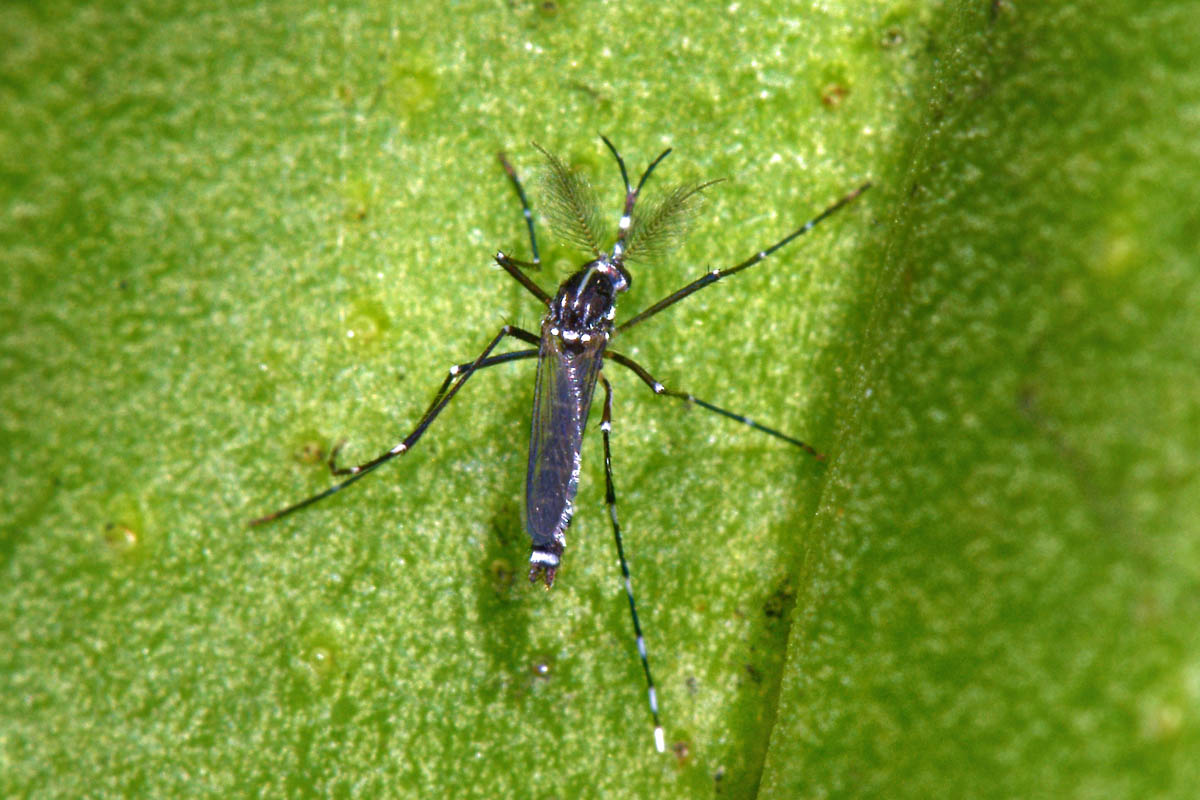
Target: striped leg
pixel 514 266
pixel 717 274
pixel 659 389
pixel 610 497
pixel 456 372
pixel 440 401
pixel 525 212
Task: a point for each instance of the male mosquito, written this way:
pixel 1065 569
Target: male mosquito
pixel 571 349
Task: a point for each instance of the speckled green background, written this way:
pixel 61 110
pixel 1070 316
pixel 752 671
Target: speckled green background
pixel 990 589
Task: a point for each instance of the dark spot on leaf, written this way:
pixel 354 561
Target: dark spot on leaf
pixel 833 95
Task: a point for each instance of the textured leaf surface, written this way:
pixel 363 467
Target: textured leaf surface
pixel 235 235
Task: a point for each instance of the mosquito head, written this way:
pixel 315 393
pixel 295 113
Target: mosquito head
pixel 613 270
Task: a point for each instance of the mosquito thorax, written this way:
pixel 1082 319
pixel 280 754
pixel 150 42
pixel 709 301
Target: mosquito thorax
pixel 586 301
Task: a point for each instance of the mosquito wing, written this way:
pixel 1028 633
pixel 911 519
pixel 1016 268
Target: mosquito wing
pixel 566 379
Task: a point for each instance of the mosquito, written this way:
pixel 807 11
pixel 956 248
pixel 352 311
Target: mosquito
pixel 571 348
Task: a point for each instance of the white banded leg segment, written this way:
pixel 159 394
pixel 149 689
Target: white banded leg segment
pixel 450 387
pixel 525 211
pixel 687 397
pixel 709 278
pixel 610 497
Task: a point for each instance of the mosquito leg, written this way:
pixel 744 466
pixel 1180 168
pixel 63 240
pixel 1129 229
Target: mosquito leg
pixel 455 372
pixel 516 182
pixel 610 497
pixel 513 266
pixel 717 274
pixel 659 389
pixel 435 408
pixel 458 369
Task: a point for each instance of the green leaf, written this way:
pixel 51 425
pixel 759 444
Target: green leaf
pixel 1000 588
pixel 235 235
